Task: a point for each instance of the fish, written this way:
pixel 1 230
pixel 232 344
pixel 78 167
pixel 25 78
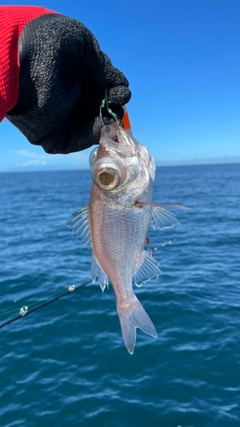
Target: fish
pixel 116 221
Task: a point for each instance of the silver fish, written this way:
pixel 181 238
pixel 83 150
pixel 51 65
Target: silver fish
pixel 115 224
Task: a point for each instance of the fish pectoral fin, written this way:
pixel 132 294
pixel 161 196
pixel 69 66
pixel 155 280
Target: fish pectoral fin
pixel 131 318
pixel 140 204
pixel 79 225
pixel 147 271
pixel 98 273
pixel 160 216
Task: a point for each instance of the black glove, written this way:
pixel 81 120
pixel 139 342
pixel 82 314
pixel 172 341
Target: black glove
pixel 63 77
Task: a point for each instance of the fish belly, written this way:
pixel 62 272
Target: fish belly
pixel 124 232
pixel 123 237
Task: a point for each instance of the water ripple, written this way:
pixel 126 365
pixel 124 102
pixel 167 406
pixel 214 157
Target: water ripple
pixel 66 363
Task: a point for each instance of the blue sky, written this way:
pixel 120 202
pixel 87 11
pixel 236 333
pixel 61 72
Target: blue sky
pixel 182 60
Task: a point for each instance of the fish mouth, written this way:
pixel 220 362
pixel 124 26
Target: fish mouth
pixel 114 137
pixel 111 132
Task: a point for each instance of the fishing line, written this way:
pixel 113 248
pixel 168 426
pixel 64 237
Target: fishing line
pixel 24 311
pixel 105 104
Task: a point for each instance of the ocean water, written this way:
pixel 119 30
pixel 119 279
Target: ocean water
pixel 66 364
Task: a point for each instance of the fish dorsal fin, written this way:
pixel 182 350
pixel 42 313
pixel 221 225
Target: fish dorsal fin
pixel 147 271
pixel 97 272
pixel 79 225
pixel 162 218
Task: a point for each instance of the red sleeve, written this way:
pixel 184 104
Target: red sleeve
pixel 12 22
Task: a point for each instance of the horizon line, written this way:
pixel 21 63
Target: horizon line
pixel 159 164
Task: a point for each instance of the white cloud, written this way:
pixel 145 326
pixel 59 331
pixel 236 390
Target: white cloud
pixel 30 154
pixel 35 160
pixel 34 163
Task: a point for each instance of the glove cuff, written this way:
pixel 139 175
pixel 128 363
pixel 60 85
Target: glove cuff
pixel 12 22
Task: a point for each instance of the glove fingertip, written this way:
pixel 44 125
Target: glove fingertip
pixel 119 95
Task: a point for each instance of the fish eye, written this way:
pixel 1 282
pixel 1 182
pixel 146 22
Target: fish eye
pixel 92 157
pixel 107 178
pixel 108 175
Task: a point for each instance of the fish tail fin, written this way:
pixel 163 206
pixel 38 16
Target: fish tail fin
pixel 131 318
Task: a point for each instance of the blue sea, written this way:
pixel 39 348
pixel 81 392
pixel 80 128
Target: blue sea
pixel 65 364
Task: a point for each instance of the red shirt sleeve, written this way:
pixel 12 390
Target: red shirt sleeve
pixel 12 22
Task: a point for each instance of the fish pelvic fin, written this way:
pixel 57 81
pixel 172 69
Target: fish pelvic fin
pixel 147 271
pixel 132 317
pixel 98 273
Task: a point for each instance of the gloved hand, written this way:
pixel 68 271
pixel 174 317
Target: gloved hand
pixel 63 77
